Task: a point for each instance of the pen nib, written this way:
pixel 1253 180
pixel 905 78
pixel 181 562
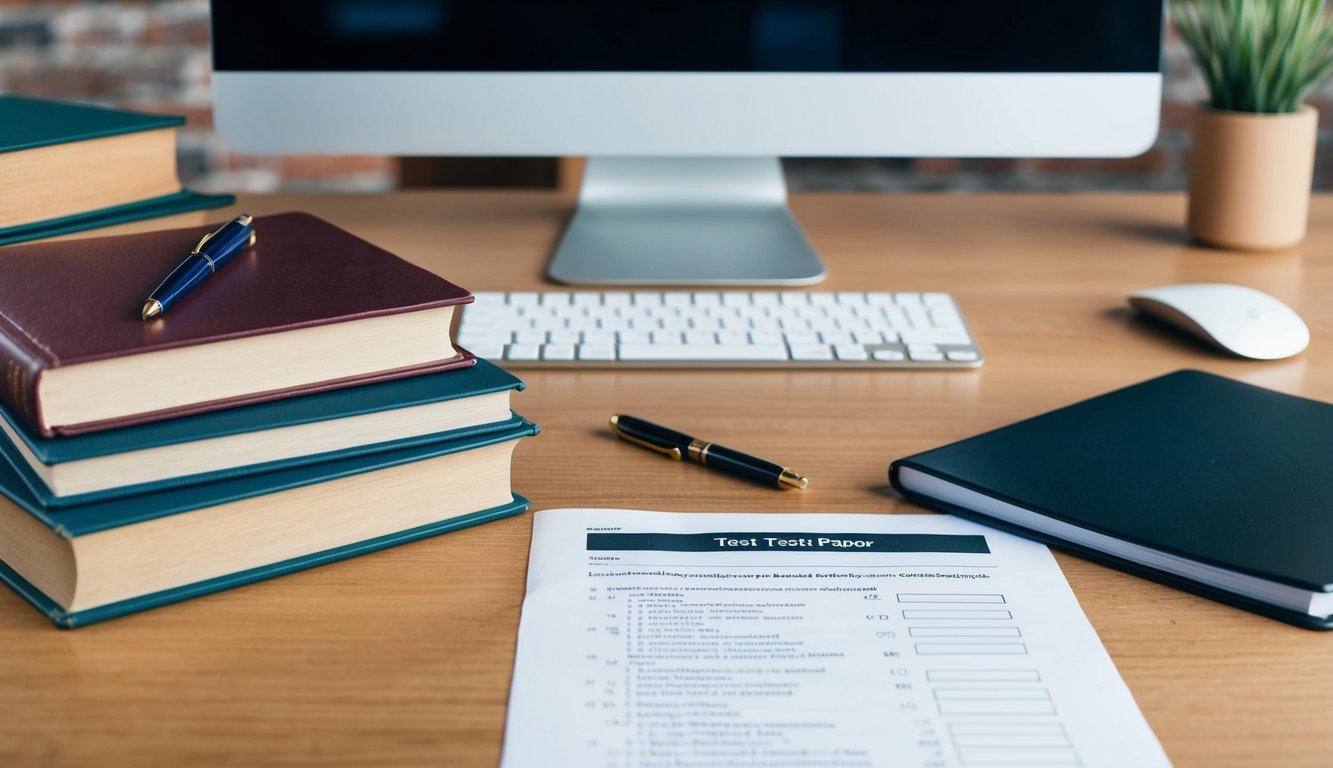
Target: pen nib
pixel 151 309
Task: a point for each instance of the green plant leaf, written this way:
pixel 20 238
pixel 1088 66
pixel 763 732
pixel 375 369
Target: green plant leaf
pixel 1263 56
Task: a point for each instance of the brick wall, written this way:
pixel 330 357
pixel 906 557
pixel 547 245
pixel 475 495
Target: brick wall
pixel 153 55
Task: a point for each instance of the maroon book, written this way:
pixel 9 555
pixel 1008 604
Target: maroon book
pixel 308 307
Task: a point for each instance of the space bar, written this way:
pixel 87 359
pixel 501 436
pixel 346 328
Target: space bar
pixel 703 352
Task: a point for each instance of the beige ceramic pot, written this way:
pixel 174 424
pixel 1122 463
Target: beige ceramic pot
pixel 1250 177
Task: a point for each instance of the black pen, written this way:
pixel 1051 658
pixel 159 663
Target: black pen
pixel 678 445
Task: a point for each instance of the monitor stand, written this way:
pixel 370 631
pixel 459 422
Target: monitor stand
pixel 684 221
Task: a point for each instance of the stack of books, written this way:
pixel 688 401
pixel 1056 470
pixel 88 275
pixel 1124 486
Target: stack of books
pixel 69 167
pixel 305 406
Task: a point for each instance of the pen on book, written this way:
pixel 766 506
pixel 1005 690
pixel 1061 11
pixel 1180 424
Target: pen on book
pixel 212 253
pixel 678 446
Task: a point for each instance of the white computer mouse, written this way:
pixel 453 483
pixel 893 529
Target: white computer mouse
pixel 1237 319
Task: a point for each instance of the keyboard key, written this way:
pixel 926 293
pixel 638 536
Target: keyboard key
pixel 836 338
pixel 811 352
pixel 647 299
pixel 879 299
pixel 558 352
pixel 928 336
pixel 888 355
pixel 522 299
pixel 801 337
pixel 480 341
pixel 529 337
pixel 707 300
pixel 563 337
pixel 962 356
pixel 485 349
pixel 523 352
pixel 555 299
pixel 700 337
pixel 735 299
pixel 926 357
pixel 702 353
pixel 634 337
pixel 605 338
pixel 734 337
pixel 850 352
pixel 597 352
pixel 487 299
pixel 587 299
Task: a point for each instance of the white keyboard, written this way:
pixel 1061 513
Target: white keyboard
pixel 728 329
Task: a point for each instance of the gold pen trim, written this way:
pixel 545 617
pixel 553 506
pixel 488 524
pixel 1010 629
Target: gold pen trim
pixel 199 246
pixel 672 453
pixel 792 479
pixel 699 450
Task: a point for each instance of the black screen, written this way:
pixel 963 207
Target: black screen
pixel 688 36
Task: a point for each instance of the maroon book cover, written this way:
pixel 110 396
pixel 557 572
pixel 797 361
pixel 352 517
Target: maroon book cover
pixel 75 301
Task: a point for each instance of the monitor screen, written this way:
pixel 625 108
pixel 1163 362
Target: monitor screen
pixel 688 35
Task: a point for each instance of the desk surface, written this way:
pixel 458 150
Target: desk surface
pixel 403 657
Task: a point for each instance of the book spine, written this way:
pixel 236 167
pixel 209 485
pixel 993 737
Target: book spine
pixel 19 371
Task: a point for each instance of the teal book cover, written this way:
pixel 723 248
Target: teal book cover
pixel 105 514
pixel 70 620
pixel 16 436
pixel 94 517
pixel 29 123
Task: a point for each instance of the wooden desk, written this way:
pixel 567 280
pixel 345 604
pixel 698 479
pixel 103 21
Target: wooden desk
pixel 402 658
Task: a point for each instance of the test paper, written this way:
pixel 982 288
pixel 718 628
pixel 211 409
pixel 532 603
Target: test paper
pixel 766 640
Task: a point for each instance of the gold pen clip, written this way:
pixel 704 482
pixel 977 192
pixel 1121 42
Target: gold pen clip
pixel 200 245
pixel 244 219
pixel 672 453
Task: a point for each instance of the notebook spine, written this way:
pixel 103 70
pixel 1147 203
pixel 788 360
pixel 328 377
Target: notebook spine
pixel 19 372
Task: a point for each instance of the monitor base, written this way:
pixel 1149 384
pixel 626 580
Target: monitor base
pixel 684 221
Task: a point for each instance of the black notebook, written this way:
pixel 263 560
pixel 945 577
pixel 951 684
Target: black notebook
pixel 1194 480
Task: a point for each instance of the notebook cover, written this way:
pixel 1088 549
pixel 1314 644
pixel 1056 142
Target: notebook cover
pixel 1192 464
pixel 65 620
pixel 302 272
pixel 101 515
pixel 28 123
pixel 183 201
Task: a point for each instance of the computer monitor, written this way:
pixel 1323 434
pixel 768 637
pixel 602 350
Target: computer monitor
pixel 684 107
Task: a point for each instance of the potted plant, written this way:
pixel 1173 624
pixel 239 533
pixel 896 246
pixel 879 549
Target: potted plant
pixel 1253 142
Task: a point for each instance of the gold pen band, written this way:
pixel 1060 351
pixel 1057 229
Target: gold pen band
pixel 699 450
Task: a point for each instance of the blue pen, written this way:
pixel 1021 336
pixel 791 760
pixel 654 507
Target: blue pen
pixel 211 254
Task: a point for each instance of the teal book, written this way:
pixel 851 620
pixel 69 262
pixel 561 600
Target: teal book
pixel 71 471
pixel 70 167
pixel 172 544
